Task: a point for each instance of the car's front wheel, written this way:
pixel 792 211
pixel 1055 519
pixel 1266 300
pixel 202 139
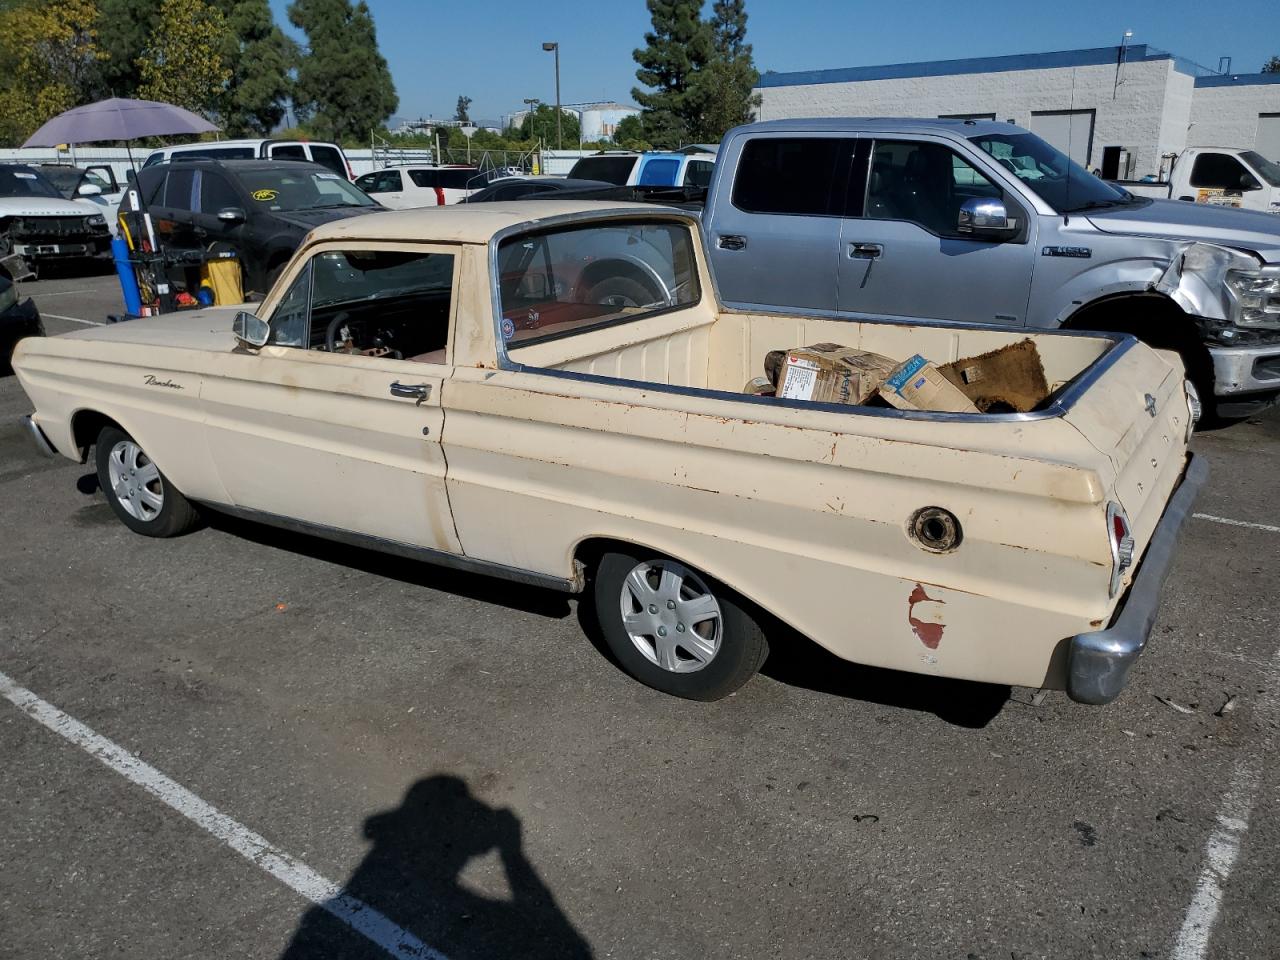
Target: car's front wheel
pixel 675 629
pixel 139 494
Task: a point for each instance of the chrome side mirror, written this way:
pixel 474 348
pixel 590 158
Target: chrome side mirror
pixel 250 329
pixel 231 215
pixel 984 217
pixel 88 190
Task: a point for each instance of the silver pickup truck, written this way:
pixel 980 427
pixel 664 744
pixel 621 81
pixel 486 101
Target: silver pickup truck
pixel 983 222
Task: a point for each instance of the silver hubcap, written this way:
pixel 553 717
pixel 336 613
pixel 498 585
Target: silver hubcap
pixel 135 480
pixel 671 616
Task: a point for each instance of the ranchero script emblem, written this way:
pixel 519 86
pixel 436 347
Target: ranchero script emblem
pixel 152 381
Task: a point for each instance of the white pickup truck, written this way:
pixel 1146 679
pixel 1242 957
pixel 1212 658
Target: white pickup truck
pixel 1220 176
pixel 551 392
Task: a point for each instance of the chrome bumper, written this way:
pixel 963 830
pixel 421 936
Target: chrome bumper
pixel 1098 663
pixel 1245 369
pixel 38 439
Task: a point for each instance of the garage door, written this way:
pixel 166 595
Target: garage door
pixel 1267 142
pixel 1071 131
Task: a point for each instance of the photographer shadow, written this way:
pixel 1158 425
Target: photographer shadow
pixel 412 877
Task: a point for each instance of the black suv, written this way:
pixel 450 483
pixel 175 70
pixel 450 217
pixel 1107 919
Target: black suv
pixel 260 208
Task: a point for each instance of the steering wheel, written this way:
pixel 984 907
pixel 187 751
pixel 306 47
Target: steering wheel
pixel 331 331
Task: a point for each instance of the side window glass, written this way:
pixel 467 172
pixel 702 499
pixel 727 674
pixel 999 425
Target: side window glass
pixel 391 182
pixel 382 303
pixel 788 176
pixel 289 323
pixel 923 183
pixel 329 157
pixel 1217 171
pixel 698 173
pixel 216 194
pixel 368 182
pixel 289 151
pixel 659 173
pixel 178 187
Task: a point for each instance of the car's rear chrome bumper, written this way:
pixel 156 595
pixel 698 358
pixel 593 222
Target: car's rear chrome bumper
pixel 38 438
pixel 1098 663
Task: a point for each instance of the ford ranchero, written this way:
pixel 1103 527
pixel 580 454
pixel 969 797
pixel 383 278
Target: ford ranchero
pixel 550 392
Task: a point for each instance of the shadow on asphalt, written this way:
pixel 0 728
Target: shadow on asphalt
pixel 412 877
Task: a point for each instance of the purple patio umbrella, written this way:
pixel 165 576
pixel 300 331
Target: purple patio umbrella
pixel 117 119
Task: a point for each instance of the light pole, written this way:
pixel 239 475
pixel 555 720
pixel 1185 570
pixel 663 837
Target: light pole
pixel 555 48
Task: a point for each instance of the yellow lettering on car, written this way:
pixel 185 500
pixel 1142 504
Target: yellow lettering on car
pixel 266 196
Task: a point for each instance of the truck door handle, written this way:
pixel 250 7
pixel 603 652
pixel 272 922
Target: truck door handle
pixel 865 251
pixel 411 391
pixel 731 242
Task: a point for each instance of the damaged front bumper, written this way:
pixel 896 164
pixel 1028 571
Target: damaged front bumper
pixel 1098 663
pixel 1245 369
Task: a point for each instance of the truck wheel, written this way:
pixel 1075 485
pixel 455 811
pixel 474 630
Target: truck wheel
pixel 674 629
pixel 621 292
pixel 141 496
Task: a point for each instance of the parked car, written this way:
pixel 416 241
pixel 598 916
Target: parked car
pixel 942 220
pixel 653 169
pixel 18 318
pixel 1219 176
pixel 521 188
pixel 94 185
pixel 424 185
pixel 326 154
pixel 464 387
pixel 260 208
pixel 39 225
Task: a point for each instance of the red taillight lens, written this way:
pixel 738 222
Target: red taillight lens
pixel 439 196
pixel 1122 544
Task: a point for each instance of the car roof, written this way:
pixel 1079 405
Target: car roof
pixel 480 222
pixel 243 166
pixel 907 125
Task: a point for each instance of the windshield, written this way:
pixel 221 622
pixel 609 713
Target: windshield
pixel 66 179
pixel 301 188
pixel 1056 178
pixel 25 182
pixel 1263 167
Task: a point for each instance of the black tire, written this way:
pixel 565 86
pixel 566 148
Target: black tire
pixel 621 292
pixel 742 647
pixel 175 515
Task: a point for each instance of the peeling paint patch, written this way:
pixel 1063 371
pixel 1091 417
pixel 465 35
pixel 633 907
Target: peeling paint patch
pixel 927 625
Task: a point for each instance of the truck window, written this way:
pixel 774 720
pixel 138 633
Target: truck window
pixel 216 194
pixel 923 183
pixel 698 173
pixel 561 282
pixel 614 170
pixel 1057 179
pixel 181 191
pixel 659 172
pixel 329 157
pixel 1268 171
pixel 1218 171
pixel 792 176
pixel 290 151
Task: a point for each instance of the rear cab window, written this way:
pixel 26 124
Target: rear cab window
pixel 615 170
pixel 559 282
pixel 791 176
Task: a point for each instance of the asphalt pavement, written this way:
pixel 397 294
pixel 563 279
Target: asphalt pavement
pixel 453 763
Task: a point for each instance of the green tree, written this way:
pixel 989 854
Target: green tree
pixel 630 133
pixel 464 105
pixel 1272 65
pixel 344 88
pixel 725 84
pixel 126 26
pixel 676 48
pixel 49 57
pixel 260 58
pixel 182 60
pixel 542 123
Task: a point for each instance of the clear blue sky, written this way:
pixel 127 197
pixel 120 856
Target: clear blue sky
pixel 491 51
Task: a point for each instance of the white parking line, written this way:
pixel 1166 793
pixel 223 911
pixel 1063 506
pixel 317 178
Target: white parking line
pixel 1223 847
pixel 60 293
pixel 293 873
pixel 1236 523
pixel 88 323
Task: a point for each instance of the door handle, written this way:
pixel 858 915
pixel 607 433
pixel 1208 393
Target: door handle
pixel 411 391
pixel 731 242
pixel 865 251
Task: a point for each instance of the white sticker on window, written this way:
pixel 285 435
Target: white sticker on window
pixel 327 176
pixel 24 176
pixel 798 379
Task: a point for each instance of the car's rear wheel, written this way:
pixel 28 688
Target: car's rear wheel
pixel 621 292
pixel 139 494
pixel 675 629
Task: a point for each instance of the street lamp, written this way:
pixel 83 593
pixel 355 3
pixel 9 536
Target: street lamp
pixel 531 106
pixel 555 48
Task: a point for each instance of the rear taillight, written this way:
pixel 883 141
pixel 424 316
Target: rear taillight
pixel 1195 409
pixel 351 174
pixel 1122 544
pixel 439 196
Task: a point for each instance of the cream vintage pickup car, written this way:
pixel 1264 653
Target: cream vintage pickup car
pixel 550 392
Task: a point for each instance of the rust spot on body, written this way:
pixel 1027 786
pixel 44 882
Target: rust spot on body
pixel 930 633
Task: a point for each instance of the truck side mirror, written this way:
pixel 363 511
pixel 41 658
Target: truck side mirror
pixel 985 217
pixel 1249 182
pixel 250 329
pixel 231 215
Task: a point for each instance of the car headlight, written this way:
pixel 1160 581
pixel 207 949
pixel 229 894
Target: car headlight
pixel 97 220
pixel 1255 296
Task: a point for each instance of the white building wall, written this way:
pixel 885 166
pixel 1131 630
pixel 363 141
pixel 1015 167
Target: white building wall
pixel 1227 116
pixel 1176 121
pixel 1131 114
